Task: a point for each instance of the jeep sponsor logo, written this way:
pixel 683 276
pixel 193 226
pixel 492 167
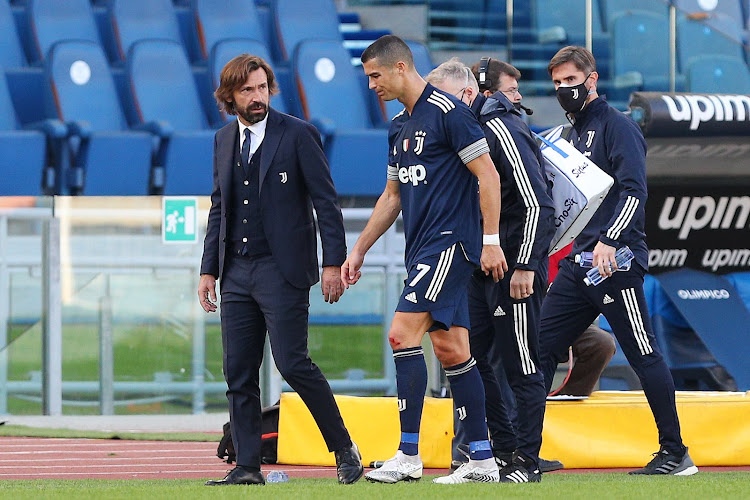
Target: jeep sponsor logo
pixel 698 109
pixel 698 212
pixel 560 219
pixel 413 173
pixel 703 294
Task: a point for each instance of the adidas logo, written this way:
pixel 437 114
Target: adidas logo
pixel 499 312
pixel 607 299
pixel 411 297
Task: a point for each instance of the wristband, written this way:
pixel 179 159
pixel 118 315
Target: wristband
pixel 491 239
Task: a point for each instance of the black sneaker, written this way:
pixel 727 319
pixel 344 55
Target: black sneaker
pixel 521 470
pixel 550 465
pixel 664 463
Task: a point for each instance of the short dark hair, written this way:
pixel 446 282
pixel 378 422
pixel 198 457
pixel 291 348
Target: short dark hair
pixel 388 50
pixel 235 74
pixel 579 56
pixel 495 69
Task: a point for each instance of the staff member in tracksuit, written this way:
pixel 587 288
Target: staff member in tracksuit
pixel 505 315
pixel 614 142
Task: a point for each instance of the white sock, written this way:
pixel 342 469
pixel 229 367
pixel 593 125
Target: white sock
pixel 410 459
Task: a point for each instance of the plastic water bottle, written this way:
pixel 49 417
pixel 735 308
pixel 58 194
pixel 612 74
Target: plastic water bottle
pixel 586 259
pixel 623 257
pixel 277 476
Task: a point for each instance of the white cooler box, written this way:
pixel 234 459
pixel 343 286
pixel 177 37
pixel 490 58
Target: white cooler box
pixel 578 186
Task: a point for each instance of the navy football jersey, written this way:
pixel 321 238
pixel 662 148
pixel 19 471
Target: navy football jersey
pixel 428 151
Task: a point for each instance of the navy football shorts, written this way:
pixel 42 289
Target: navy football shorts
pixel 438 284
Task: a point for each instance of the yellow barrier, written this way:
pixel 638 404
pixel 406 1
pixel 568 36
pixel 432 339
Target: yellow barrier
pixel 609 429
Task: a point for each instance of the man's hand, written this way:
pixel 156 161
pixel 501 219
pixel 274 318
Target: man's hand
pixel 207 293
pixel 604 259
pixel 493 262
pixel 521 284
pixel 331 284
pixel 350 272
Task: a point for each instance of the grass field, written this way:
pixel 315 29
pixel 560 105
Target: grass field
pixel 140 351
pixel 705 485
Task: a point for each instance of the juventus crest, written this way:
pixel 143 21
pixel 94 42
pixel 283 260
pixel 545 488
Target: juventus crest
pixel 419 137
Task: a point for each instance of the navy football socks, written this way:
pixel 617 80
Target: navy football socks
pixel 468 398
pixel 411 383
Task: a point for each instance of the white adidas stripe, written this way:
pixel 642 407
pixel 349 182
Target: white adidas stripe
pixel 626 215
pixel 636 321
pixel 441 271
pixel 471 364
pixel 521 323
pixel 441 101
pixel 523 182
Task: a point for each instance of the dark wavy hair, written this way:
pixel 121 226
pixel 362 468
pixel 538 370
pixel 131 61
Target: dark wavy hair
pixel 235 74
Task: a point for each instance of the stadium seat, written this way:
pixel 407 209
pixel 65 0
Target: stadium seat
pixel 631 32
pixel 218 20
pixel 332 99
pixel 613 8
pixel 741 282
pixel 718 75
pixel 11 51
pixel 108 159
pixel 53 21
pixel 226 50
pixel 22 162
pixel 298 20
pixel 134 20
pixel 166 98
pixel 555 22
pixel 702 10
pixel 697 38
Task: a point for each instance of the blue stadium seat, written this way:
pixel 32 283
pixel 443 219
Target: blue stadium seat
pixel 697 38
pixel 702 10
pixel 567 15
pixel 333 99
pixel 298 20
pixel 135 20
pixel 225 50
pixel 718 75
pixel 11 51
pixel 166 98
pixel 22 162
pixel 741 282
pixel 53 21
pixel 613 8
pixel 631 32
pixel 108 159
pixel 218 20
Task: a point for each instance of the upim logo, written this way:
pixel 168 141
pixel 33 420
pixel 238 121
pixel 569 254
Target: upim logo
pixel 413 173
pixel 697 212
pixel 700 108
pixel 703 294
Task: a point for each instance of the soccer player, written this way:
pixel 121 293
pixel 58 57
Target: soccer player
pixel 505 315
pixel 614 142
pixel 437 153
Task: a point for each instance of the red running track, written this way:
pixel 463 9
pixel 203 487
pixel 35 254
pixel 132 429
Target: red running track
pixel 50 458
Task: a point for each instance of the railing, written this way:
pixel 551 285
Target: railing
pixel 67 240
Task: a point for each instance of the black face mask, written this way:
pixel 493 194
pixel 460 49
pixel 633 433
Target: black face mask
pixel 573 99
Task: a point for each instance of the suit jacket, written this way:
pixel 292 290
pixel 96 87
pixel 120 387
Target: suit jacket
pixel 294 177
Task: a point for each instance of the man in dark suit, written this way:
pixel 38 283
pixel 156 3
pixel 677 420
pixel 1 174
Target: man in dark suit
pixel 269 171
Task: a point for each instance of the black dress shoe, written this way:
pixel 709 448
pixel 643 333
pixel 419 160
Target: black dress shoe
pixel 550 465
pixel 239 475
pixel 349 464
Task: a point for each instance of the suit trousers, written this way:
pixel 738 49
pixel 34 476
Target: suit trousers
pixel 256 298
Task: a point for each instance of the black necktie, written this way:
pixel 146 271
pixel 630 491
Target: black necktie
pixel 245 153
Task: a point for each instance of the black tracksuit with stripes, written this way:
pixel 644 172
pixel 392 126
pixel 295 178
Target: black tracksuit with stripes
pixel 614 142
pixel 504 331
